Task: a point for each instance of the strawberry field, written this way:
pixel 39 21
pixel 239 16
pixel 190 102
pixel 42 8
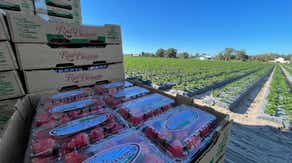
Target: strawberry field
pixel 224 84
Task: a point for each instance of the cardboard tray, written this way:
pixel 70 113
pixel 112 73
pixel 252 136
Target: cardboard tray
pixel 44 80
pixel 10 85
pixel 39 56
pixel 216 150
pixel 7 57
pixel 33 29
pixel 13 147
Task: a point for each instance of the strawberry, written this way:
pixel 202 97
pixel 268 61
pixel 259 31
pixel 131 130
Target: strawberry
pixel 96 134
pixel 74 157
pixel 150 132
pixel 205 130
pixel 176 149
pixel 117 128
pixel 193 142
pixel 79 141
pixel 135 120
pixel 65 119
pixel 42 119
pixel 73 114
pixel 124 113
pixel 44 147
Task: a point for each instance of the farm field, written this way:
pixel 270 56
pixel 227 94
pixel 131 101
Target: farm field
pixel 216 83
pixel 187 77
pixel 230 87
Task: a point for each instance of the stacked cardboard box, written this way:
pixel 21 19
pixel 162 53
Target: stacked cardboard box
pixel 54 55
pixel 17 6
pixel 59 11
pixel 10 85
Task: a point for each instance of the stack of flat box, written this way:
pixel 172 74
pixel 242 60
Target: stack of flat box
pixel 10 85
pixel 54 55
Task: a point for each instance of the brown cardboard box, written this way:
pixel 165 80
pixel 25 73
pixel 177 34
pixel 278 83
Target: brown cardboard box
pixel 13 147
pixel 4 35
pixel 54 13
pixel 6 111
pixel 7 58
pixel 39 56
pixel 36 30
pixel 44 80
pixel 10 85
pixel 17 6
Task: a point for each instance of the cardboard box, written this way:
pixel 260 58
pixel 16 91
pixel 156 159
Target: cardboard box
pixel 39 56
pixel 61 3
pixel 44 80
pixel 216 150
pixel 17 6
pixel 10 85
pixel 59 20
pixel 4 34
pixel 36 30
pixel 7 57
pixel 6 111
pixel 14 148
pixel 53 12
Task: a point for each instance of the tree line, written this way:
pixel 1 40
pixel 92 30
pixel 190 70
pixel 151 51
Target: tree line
pixel 227 54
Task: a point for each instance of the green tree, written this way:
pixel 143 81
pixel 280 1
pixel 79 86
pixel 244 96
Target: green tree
pixel 184 55
pixel 241 55
pixel 160 52
pixel 171 53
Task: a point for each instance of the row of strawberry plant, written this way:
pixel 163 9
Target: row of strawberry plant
pixel 280 97
pixel 189 76
pixel 231 94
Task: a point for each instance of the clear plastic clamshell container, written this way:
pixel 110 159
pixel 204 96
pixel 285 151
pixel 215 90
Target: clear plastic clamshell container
pixel 74 135
pixel 48 117
pixel 141 109
pixel 130 146
pixel 182 131
pixel 67 97
pixel 125 94
pixel 113 87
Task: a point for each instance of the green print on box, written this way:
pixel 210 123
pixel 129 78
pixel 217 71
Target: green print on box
pixel 13 7
pixel 60 5
pixel 6 88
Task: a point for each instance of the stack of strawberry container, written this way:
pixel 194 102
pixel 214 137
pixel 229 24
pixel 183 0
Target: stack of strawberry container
pixel 54 56
pixel 89 125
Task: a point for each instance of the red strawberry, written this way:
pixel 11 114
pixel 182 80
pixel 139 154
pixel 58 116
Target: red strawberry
pixel 99 90
pixel 117 128
pixel 96 134
pixel 124 113
pixel 42 119
pixel 73 114
pixel 205 130
pixel 74 157
pixel 79 141
pixel 150 132
pixel 193 142
pixel 176 149
pixel 65 119
pixel 41 135
pixel 136 120
pixel 44 147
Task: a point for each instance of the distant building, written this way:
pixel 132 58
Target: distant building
pixel 281 60
pixel 205 57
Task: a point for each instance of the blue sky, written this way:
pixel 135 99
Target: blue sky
pixel 258 26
